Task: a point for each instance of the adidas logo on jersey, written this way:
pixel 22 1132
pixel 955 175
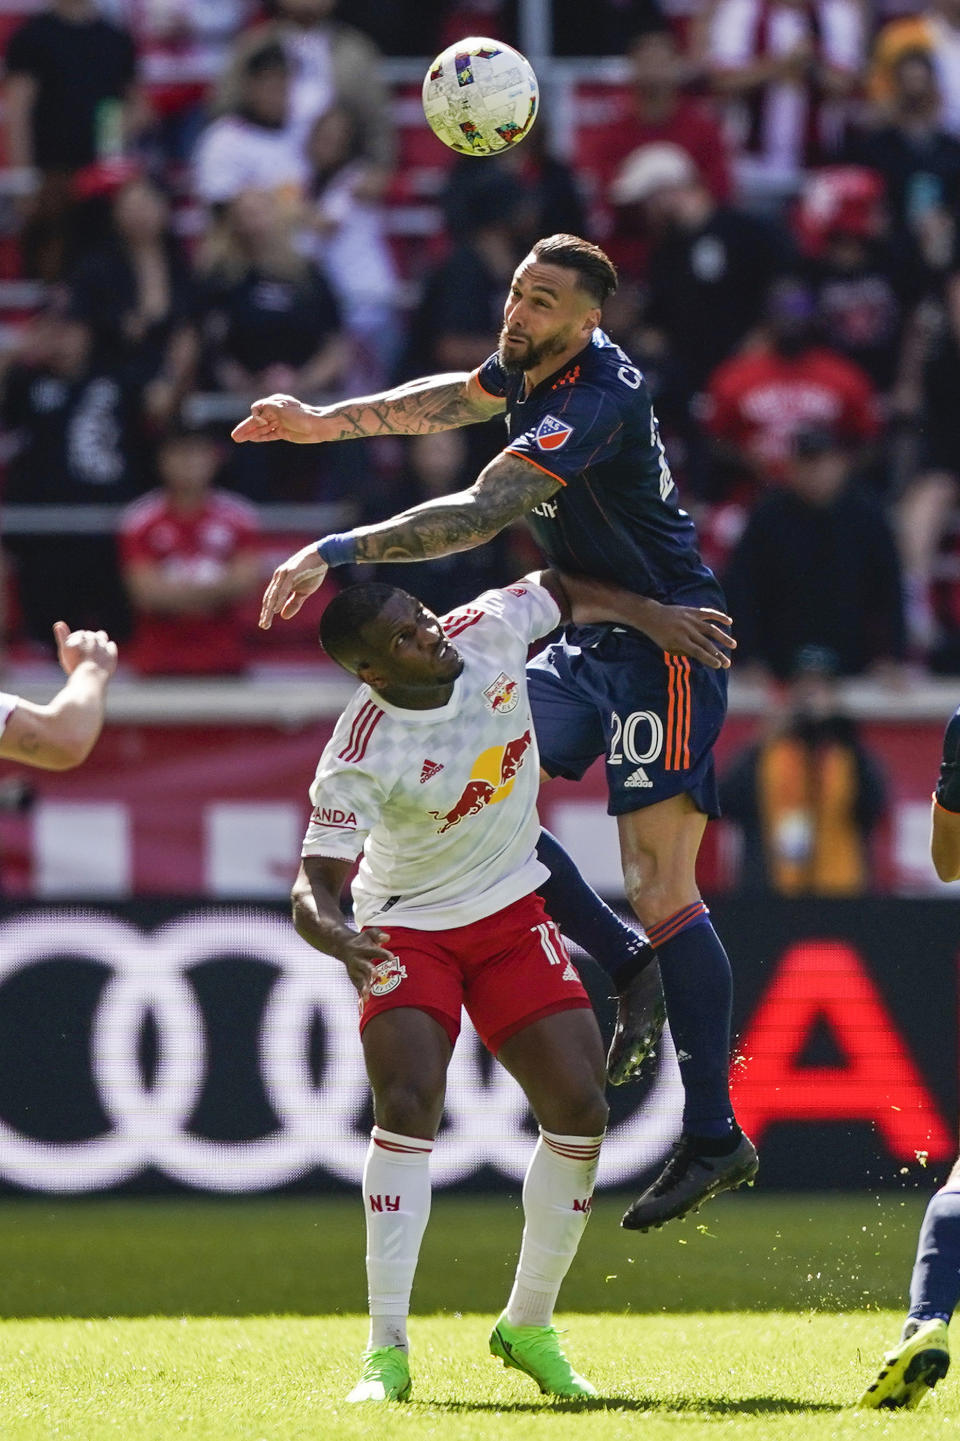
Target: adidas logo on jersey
pixel 429 770
pixel 638 778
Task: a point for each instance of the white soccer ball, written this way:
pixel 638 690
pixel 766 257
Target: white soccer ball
pixel 480 96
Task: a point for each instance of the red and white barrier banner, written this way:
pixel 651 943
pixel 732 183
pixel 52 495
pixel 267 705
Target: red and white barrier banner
pixel 219 810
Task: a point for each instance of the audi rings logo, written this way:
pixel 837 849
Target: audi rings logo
pixel 149 983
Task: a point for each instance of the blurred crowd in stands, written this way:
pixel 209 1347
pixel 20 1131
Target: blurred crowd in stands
pixel 203 201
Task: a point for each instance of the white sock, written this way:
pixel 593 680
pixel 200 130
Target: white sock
pixel 557 1192
pixel 396 1203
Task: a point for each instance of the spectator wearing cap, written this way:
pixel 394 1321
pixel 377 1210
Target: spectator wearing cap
pixel 919 161
pixel 710 266
pixel 807 795
pixel 251 146
pixel 785 68
pixel 70 98
pixel 657 110
pixel 817 564
pixel 756 402
pixel 935 33
pixel 861 297
pixel 189 558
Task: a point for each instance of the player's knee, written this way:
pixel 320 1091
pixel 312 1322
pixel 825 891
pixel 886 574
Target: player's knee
pixel 409 1108
pixel 640 877
pixel 579 1113
pixel 657 890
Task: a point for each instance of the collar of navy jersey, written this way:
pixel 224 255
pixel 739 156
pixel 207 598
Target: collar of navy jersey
pixel 567 364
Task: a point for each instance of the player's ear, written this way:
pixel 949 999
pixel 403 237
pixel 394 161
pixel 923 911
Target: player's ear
pixel 371 675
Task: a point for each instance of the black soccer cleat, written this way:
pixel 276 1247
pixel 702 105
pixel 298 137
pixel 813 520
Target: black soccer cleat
pixel 641 1013
pixel 688 1179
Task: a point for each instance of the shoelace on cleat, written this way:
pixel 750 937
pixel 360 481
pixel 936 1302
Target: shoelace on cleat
pixel 682 1159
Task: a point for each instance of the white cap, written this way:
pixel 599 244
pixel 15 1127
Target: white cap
pixel 651 168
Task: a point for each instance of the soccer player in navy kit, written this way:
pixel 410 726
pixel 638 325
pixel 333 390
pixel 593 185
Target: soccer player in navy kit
pixel 922 1357
pixel 585 465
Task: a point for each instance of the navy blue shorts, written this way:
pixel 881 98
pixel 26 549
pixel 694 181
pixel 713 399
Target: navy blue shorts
pixel 605 691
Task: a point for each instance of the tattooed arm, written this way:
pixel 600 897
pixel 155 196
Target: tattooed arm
pixel 505 490
pixel 60 735
pixel 439 402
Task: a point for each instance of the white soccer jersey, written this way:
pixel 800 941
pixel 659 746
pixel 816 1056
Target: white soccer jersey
pixel 7 704
pixel 442 802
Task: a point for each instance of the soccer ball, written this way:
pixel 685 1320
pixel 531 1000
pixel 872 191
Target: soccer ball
pixel 480 96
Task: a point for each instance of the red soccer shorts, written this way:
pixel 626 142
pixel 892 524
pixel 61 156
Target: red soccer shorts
pixel 507 970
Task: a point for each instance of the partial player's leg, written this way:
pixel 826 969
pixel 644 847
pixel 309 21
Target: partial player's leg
pixel 625 954
pixel 532 1012
pixel 407 1052
pixel 559 1063
pixel 659 846
pixel 922 1357
pixel 570 736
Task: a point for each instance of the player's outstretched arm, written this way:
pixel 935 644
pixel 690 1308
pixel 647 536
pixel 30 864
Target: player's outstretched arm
pixel 318 919
pixel 505 490
pixel 438 402
pixel 695 631
pixel 61 735
pixel 945 824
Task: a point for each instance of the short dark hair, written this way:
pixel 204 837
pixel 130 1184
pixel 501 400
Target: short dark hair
pixel 596 272
pixel 347 614
pixel 268 56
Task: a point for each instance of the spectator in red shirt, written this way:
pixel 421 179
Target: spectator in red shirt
pixel 189 557
pixel 757 401
pixel 656 110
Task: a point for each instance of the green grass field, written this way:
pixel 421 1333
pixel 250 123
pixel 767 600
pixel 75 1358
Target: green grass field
pixel 151 1320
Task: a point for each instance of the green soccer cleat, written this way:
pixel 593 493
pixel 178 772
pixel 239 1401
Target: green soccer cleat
pixel 536 1350
pixel 911 1369
pixel 385 1376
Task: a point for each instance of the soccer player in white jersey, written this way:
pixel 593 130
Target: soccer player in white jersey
pixel 61 734
pixel 431 778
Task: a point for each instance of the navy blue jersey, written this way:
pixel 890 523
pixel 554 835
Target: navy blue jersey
pixel 617 516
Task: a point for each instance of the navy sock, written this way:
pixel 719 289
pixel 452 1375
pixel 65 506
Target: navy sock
pixel 935 1283
pixel 580 913
pixel 697 987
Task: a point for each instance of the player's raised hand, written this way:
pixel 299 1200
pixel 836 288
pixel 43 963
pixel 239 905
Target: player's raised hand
pixel 76 646
pixel 362 954
pixel 694 631
pixel 280 417
pixel 291 583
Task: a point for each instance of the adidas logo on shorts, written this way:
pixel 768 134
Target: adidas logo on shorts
pixel 638 778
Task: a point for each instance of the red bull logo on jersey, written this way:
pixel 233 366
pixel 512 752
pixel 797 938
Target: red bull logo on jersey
pixel 552 433
pixel 491 780
pixel 503 695
pixel 387 977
